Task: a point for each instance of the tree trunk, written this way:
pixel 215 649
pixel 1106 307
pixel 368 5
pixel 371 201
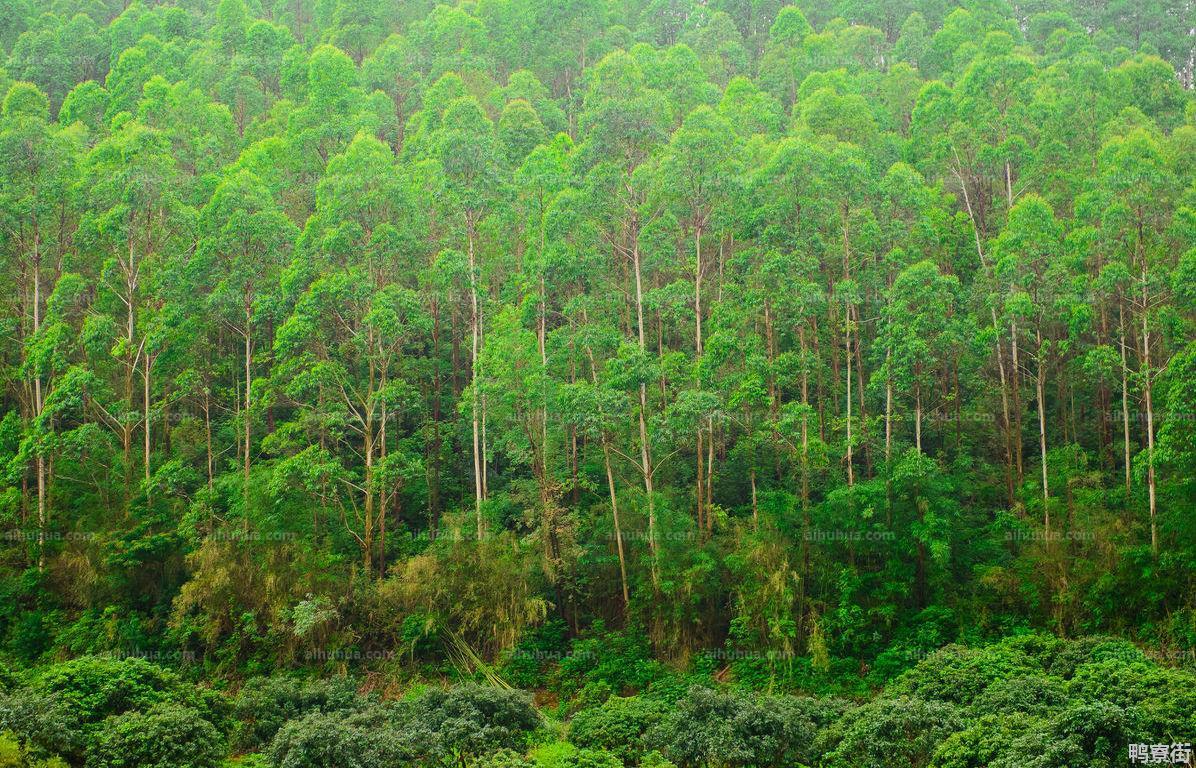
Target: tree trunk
pixel 918 415
pixel 476 410
pixel 847 326
pixel 1125 402
pixel 1042 446
pixel 645 448
pixel 610 485
pixel 1017 403
pixel 888 406
pixel 367 543
pixel 1147 398
pixel 1008 428
pixel 700 491
pixel 248 389
pixel 38 407
pixel 145 399
pixel 709 473
pixel 207 425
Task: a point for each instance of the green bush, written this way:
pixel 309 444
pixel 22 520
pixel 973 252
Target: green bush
pixel 372 738
pixel 982 742
pixel 251 760
pixel 562 754
pixel 96 687
pixel 265 704
pixel 504 758
pixel 958 674
pixel 14 755
pixel 41 723
pixel 618 725
pixel 441 727
pixel 1082 736
pixel 167 736
pixel 889 733
pixel 471 720
pixel 621 659
pixel 1092 649
pixel 528 664
pixel 726 728
pixel 1164 698
pixel 1031 695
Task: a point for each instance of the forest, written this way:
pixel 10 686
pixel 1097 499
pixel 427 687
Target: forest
pixel 597 383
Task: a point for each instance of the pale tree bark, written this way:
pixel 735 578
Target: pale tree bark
pixel 1039 381
pixel 850 471
pixel 248 404
pixel 645 446
pixel 610 484
pixel 476 409
pixel 1125 400
pixel 1009 487
pixel 1149 403
pixel 1017 402
pixel 918 414
pixel 43 509
pixel 700 489
pixel 1009 440
pixel 888 406
pixel 146 374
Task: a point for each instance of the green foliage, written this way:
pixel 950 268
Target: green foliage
pixel 165 736
pixel 890 733
pixel 471 720
pixel 620 659
pixel 367 739
pixel 93 688
pixel 665 358
pixel 710 727
pixel 265 704
pixel 618 725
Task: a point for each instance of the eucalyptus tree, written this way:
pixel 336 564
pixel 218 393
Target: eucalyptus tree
pixel 244 244
pixel 466 149
pixel 1139 184
pixel 39 163
pixel 625 124
pixel 1027 253
pixel 135 219
pixel 920 329
pixel 353 329
pixel 698 174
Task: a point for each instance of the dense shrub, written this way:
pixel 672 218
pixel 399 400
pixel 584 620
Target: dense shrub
pixel 982 742
pixel 959 674
pixel 167 736
pixel 40 723
pixel 441 727
pixel 1089 650
pixel 1164 698
pixel 562 754
pixel 504 758
pixel 996 706
pixel 617 725
pixel 68 706
pixel 530 663
pixel 93 688
pixel 471 720
pixel 1033 695
pixel 373 738
pixel 13 754
pixel 621 659
pixel 727 728
pixel 1082 736
pixel 265 704
pixel 890 733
